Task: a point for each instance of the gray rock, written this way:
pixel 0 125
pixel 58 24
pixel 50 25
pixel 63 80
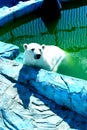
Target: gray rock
pixel 22 105
pixel 64 90
pixel 8 50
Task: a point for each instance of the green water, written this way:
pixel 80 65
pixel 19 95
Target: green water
pixel 75 65
pixel 68 32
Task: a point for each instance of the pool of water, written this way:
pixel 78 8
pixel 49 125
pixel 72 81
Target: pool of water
pixel 68 31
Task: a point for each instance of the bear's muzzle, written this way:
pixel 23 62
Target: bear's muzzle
pixel 37 56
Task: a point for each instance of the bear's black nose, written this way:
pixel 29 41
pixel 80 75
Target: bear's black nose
pixel 37 56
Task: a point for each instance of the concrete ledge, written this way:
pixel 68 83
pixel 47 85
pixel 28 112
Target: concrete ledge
pixel 8 14
pixel 64 90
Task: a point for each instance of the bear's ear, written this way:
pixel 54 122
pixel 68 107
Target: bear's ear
pixel 43 46
pixel 25 46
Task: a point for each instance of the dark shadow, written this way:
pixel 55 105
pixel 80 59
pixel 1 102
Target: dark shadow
pixel 50 14
pixel 23 85
pixel 24 94
pixel 70 4
pixel 25 89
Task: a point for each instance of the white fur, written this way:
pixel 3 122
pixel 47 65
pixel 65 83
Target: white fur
pixel 51 56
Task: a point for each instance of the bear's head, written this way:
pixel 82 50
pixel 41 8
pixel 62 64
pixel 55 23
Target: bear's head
pixel 34 50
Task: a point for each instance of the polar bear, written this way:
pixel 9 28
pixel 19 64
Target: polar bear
pixel 47 57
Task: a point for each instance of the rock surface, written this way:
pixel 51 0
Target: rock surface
pixel 8 50
pixel 64 90
pixel 21 107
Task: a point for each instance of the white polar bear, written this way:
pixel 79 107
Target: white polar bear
pixel 44 56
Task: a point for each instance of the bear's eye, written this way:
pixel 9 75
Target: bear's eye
pixel 32 49
pixel 40 50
